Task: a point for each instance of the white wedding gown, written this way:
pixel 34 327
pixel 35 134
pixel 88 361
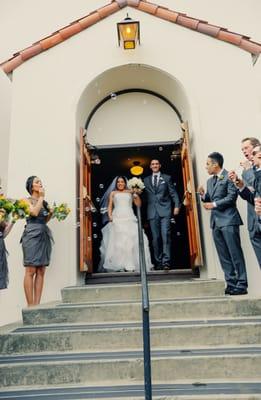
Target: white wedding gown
pixel 119 247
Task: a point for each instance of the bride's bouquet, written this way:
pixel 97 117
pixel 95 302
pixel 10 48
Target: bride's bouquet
pixel 61 211
pixel 136 185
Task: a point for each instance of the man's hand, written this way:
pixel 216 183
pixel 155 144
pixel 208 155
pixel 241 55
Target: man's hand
pixel 176 211
pixel 258 205
pixel 201 191
pixel 232 176
pixel 246 164
pixel 208 206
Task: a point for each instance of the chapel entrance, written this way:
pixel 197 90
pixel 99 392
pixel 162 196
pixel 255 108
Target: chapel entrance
pixel 117 160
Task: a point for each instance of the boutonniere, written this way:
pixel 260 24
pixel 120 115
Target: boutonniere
pixel 221 177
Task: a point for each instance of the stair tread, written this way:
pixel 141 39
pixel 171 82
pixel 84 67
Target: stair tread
pixel 192 281
pixel 113 325
pixel 130 354
pixel 204 389
pixel 206 299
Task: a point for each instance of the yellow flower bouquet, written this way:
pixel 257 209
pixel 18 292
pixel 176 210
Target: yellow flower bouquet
pixel 6 208
pixel 61 211
pixel 21 209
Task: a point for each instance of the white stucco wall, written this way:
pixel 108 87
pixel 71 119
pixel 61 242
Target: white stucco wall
pixel 222 107
pixel 5 114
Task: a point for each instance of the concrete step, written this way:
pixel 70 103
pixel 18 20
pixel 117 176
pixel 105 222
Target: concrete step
pixel 127 336
pixel 160 290
pixel 167 310
pixel 204 390
pixel 236 363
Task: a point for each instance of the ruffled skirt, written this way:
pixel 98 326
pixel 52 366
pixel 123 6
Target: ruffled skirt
pixel 120 247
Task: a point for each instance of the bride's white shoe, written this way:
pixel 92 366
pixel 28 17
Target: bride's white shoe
pixel 129 269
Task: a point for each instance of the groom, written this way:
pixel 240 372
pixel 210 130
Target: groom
pixel 160 195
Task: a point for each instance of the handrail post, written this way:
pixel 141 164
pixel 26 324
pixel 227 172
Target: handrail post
pixel 145 313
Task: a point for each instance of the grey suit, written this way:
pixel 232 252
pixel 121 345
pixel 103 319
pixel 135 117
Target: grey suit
pixel 253 179
pixel 225 221
pixel 249 178
pixel 159 210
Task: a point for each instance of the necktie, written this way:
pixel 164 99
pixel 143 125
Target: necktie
pixel 214 180
pixel 155 181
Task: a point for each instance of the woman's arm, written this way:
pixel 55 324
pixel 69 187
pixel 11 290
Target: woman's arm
pixel 35 208
pixel 8 228
pixel 110 206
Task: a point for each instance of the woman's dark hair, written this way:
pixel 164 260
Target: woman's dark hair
pixel 29 187
pixel 120 177
pixel 29 184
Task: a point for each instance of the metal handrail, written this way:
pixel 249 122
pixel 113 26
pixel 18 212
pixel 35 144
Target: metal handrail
pixel 145 312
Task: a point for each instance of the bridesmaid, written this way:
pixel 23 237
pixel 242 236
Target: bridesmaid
pixel 5 228
pixel 36 241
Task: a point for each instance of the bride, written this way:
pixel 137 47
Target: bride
pixel 119 247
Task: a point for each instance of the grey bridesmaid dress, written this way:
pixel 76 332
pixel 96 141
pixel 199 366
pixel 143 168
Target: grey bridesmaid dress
pixel 3 259
pixel 37 240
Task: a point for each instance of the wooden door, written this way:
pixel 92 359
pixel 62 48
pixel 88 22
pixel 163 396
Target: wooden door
pixel 86 207
pixel 190 201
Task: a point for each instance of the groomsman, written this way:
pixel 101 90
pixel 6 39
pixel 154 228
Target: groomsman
pixel 248 175
pixel 220 198
pixel 251 194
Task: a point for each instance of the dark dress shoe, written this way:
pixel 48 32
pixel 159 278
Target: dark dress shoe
pixel 166 267
pixel 238 292
pixel 229 290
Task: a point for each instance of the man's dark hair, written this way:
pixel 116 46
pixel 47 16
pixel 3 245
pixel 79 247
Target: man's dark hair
pixel 217 158
pixel 254 141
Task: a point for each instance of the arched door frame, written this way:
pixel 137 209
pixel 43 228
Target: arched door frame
pixel 133 90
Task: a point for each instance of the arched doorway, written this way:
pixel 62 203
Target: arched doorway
pixel 112 123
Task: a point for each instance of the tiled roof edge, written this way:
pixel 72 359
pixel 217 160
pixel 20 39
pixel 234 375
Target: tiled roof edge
pixel 241 41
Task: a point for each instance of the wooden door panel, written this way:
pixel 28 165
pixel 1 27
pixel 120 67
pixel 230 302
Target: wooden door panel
pixel 190 201
pixel 86 263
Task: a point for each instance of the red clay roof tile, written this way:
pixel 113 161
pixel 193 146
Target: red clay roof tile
pixel 208 29
pixel 166 14
pixel 70 30
pixel 133 3
pixel 147 7
pixel 66 32
pixel 31 51
pixel 252 47
pixel 122 3
pixel 11 64
pixel 51 41
pixel 89 20
pixel 108 10
pixel 188 22
pixel 230 37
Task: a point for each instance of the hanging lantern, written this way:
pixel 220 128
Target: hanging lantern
pixel 128 33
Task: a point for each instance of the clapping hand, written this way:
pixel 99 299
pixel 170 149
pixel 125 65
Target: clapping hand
pixel 258 205
pixel 246 164
pixel 176 211
pixel 208 206
pixel 232 176
pixel 201 191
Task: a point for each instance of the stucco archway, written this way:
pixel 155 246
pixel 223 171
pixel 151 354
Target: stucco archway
pixel 102 101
